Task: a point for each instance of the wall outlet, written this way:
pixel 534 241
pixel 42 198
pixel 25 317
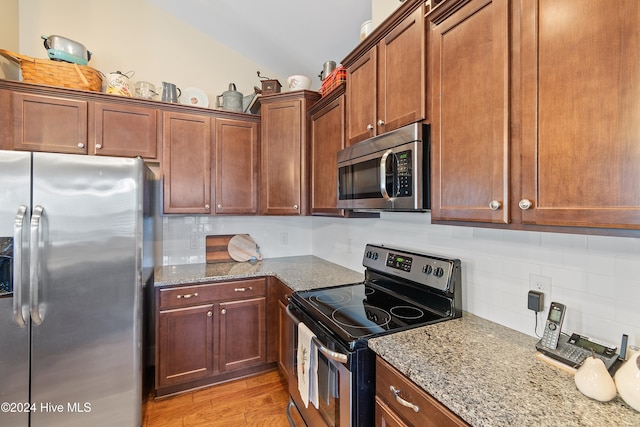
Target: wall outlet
pixel 284 238
pixel 540 284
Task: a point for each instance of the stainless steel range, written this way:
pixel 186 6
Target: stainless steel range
pixel 403 289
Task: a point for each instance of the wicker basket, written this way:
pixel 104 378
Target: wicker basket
pixel 56 73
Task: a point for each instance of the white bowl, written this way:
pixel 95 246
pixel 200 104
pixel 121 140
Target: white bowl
pixel 298 82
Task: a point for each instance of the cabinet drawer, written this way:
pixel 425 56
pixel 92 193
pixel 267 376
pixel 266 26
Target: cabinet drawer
pixel 430 412
pixel 197 294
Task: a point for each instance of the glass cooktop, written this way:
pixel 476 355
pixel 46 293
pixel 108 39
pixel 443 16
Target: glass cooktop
pixel 365 309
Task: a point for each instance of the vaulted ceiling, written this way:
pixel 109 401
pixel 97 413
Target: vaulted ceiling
pixel 286 36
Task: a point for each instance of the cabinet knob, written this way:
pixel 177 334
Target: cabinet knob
pixel 219 206
pixel 369 127
pixel 380 122
pixel 525 204
pixel 223 311
pixel 207 206
pixel 209 313
pixel 80 145
pixel 98 146
pixel 494 205
pixel 295 206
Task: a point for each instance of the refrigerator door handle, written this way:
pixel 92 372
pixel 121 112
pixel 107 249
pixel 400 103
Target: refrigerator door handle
pixel 18 232
pixel 34 263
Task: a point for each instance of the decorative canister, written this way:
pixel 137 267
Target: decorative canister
pixel 118 83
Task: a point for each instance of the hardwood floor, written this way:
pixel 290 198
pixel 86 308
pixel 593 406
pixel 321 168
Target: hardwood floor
pixel 259 400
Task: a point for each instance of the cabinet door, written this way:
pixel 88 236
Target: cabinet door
pixel 282 158
pixel 469 129
pixel 236 167
pixel 43 123
pixel 402 74
pixel 242 333
pixel 580 113
pixel 124 131
pixel 361 98
pixel 186 163
pixel 185 346
pixel 327 138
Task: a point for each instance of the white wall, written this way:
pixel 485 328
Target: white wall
pixel 596 277
pixel 9 37
pixel 134 35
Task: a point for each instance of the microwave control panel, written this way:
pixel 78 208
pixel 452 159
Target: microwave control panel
pixel 404 174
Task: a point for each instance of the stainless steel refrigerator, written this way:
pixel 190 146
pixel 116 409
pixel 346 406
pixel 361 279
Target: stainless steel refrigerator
pixel 75 254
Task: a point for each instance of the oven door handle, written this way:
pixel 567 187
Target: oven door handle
pixel 330 354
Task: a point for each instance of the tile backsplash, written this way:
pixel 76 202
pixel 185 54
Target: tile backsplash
pixel 597 277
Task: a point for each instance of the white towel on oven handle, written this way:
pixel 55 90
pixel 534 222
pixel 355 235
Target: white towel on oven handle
pixel 307 366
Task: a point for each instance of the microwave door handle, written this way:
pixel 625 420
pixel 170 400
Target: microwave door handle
pixel 330 354
pixel 383 176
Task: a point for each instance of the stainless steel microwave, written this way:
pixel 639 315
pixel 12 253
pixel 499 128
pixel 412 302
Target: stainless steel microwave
pixel 389 172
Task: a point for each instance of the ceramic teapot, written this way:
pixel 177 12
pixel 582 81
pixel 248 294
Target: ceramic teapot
pixel 231 99
pixel 628 379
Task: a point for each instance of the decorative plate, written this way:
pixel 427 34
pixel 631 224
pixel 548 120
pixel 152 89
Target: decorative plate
pixel 194 96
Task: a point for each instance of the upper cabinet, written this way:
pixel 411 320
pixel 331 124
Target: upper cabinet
pixel 46 123
pixel 534 125
pixel 236 165
pixel 327 138
pixel 469 54
pixel 284 152
pixel 386 75
pixel 124 130
pixel 186 165
pixel 579 112
pixel 54 121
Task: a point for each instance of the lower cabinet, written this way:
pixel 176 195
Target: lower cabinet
pixel 399 402
pixel 208 333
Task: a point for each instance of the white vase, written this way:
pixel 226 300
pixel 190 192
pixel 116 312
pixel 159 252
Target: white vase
pixel 627 380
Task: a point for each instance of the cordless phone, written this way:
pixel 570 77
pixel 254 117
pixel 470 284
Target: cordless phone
pixel 553 326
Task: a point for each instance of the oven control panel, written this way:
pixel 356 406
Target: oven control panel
pixel 430 270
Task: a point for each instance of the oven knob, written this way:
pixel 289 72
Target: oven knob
pixel 438 272
pixel 427 269
pixel 375 255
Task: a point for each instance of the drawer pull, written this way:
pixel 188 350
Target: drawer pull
pixel 244 289
pixel 187 296
pixel 396 394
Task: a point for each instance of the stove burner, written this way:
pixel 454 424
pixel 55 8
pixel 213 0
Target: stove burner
pixel 407 312
pixel 368 290
pixel 333 298
pixel 350 316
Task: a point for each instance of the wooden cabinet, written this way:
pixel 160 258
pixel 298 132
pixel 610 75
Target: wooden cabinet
pixel 284 152
pixel 286 330
pixel 399 402
pixel 327 138
pixel 186 165
pixel 47 123
pixel 124 130
pixel 470 104
pixel 236 163
pixel 529 129
pixel 71 125
pixel 579 116
pixel 208 333
pixel 242 333
pixel 386 81
pixel 185 328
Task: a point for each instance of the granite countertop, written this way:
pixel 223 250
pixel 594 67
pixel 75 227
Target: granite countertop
pixel 488 375
pixel 298 272
pixel 484 372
